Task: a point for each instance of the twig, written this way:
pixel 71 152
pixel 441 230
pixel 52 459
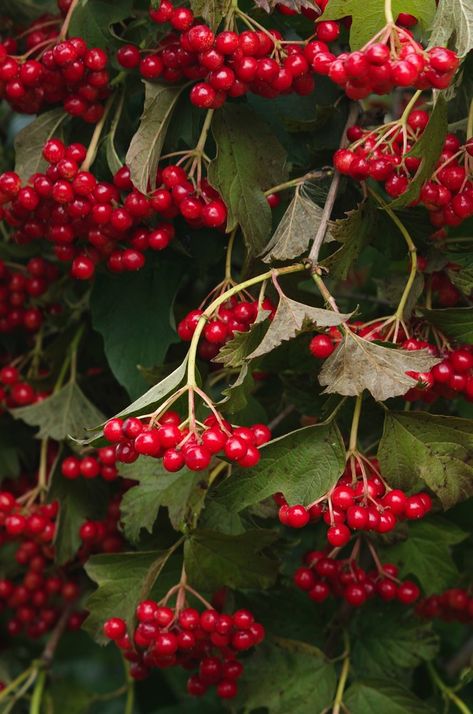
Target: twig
pixel 281 416
pixel 332 192
pixel 460 659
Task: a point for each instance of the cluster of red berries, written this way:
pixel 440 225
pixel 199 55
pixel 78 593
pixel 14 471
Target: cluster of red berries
pixel 393 58
pixel 448 379
pixel 14 391
pixel 53 71
pixel 322 576
pixel 103 536
pixel 235 315
pixel 453 604
pixel 168 438
pixel 207 641
pixel 86 219
pixel 100 464
pixel 36 596
pixel 227 64
pixel 382 154
pixel 19 291
pixel 360 501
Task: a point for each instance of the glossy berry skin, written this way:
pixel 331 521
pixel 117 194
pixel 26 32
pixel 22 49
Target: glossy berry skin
pixel 321 346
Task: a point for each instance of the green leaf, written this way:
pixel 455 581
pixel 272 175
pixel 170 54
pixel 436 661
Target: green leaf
pixel 290 318
pixel 27 10
pixel 428 149
pixel 304 465
pixel 249 161
pixel 146 145
pixel 368 17
pixel 426 554
pixel 372 696
pixel 455 322
pixel 92 20
pixel 69 696
pixel 435 449
pixel 295 230
pixel 123 580
pixel 237 350
pixel 215 559
pixel 133 313
pixel 29 142
pixel 236 394
pixel 354 232
pixel 385 644
pixel 212 11
pixel 181 493
pixel 299 680
pixel 453 21
pixel 358 364
pixel 68 413
pixel 80 500
pixel 462 278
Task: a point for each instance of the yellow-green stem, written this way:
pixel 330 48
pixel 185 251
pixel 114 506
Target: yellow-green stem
pixel 355 423
pixel 409 107
pixel 228 257
pixel 94 142
pixel 204 132
pixel 37 697
pixel 43 468
pixel 208 312
pixel 15 684
pixel 337 705
pixel 388 12
pixel 130 690
pixel 446 691
pixel 469 126
pixel 399 314
pixel 67 20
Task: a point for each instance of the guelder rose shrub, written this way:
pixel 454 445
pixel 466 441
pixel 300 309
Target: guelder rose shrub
pixel 236 356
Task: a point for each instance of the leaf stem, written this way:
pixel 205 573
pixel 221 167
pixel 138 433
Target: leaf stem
pixel 332 192
pixel 337 705
pixel 294 183
pixel 15 683
pixel 37 697
pixel 70 361
pixel 43 468
pixel 355 424
pixel 130 690
pixel 228 257
pixel 399 314
pixel 469 126
pixel 94 142
pixel 447 692
pixel 208 312
pixel 324 291
pixel 409 107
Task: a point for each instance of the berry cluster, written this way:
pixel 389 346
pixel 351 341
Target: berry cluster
pixel 35 597
pixel 448 379
pixel 19 292
pixel 235 315
pixel 451 605
pixel 382 154
pixel 393 58
pixel 53 71
pixel 322 576
pixel 169 438
pixel 86 219
pixel 360 501
pixel 206 641
pixel 14 391
pixel 100 464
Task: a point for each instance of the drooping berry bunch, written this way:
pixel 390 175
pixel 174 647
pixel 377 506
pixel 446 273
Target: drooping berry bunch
pixel 87 220
pixel 15 391
pixel 21 291
pixel 206 641
pixel 382 154
pixel 322 576
pixel 170 438
pixel 392 58
pixel 455 604
pixel 100 464
pixel 41 68
pixel 361 500
pixel 237 314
